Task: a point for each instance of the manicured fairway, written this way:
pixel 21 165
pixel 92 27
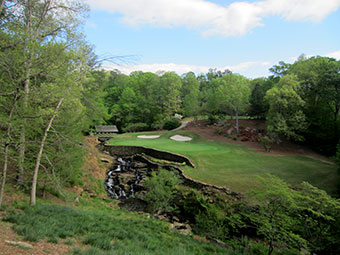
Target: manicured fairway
pixel 236 166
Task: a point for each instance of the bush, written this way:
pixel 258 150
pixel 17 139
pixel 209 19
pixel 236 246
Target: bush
pixel 219 130
pixel 266 143
pixel 171 124
pixel 212 119
pixel 136 127
pixel 161 189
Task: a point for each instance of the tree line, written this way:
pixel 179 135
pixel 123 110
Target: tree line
pixel 299 101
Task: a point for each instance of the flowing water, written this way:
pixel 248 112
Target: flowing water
pixel 122 181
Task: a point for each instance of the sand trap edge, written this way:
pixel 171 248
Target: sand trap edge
pixel 148 136
pixel 181 138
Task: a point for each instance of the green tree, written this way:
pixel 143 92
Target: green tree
pixel 319 77
pixel 285 115
pixel 48 60
pixel 93 97
pixel 318 219
pixel 236 94
pixel 303 217
pixel 258 105
pixel 273 218
pixel 191 95
pixel 169 94
pixel 281 69
pixel 161 189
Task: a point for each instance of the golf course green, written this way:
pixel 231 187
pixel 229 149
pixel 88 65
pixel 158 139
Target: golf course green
pixel 236 166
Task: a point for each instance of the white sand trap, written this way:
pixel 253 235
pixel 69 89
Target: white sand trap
pixel 181 138
pixel 148 136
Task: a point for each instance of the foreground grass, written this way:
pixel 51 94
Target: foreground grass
pixel 105 231
pixel 235 166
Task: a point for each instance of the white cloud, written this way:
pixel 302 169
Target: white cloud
pixel 234 20
pixel 334 54
pixel 251 69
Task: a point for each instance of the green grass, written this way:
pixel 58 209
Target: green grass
pixel 106 231
pixel 236 166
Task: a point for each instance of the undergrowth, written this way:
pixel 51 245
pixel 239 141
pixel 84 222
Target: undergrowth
pixel 105 231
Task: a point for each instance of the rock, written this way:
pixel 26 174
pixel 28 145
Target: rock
pixel 230 131
pixel 161 217
pixel 104 160
pixel 244 139
pixel 253 131
pixel 178 116
pixel 20 244
pixel 218 242
pixel 140 165
pixel 183 229
pixel 174 218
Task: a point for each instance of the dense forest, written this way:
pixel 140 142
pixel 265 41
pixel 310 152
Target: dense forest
pixel 53 92
pixel 299 101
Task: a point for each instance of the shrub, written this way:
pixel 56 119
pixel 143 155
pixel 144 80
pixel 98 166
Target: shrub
pixel 212 119
pixel 171 124
pixel 266 143
pixel 136 127
pixel 211 222
pixel 219 130
pixel 161 189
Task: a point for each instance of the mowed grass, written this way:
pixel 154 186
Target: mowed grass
pixel 236 166
pixel 104 232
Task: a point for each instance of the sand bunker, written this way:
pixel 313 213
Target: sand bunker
pixel 148 136
pixel 181 138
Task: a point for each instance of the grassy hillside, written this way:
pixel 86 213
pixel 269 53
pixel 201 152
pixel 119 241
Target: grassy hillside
pixel 236 166
pixel 103 231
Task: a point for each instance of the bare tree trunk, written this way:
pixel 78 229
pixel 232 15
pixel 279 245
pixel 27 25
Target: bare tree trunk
pixel 7 142
pixel 37 163
pixel 22 147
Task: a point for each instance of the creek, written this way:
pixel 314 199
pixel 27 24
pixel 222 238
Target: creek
pixel 124 179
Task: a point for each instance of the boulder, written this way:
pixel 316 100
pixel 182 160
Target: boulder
pixel 182 228
pixel 20 244
pixel 230 131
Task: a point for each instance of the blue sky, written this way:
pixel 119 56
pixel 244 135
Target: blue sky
pixel 246 37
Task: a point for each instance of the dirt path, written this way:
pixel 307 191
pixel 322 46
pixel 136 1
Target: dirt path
pixel 183 125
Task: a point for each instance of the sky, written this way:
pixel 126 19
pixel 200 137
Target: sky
pixel 246 37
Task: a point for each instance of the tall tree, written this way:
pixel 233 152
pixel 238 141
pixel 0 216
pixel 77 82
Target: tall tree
pixel 285 115
pixel 319 77
pixel 44 58
pixel 190 95
pixel 236 94
pixel 258 105
pixel 169 93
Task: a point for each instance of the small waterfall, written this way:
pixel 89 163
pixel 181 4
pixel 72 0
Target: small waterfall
pixel 122 181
